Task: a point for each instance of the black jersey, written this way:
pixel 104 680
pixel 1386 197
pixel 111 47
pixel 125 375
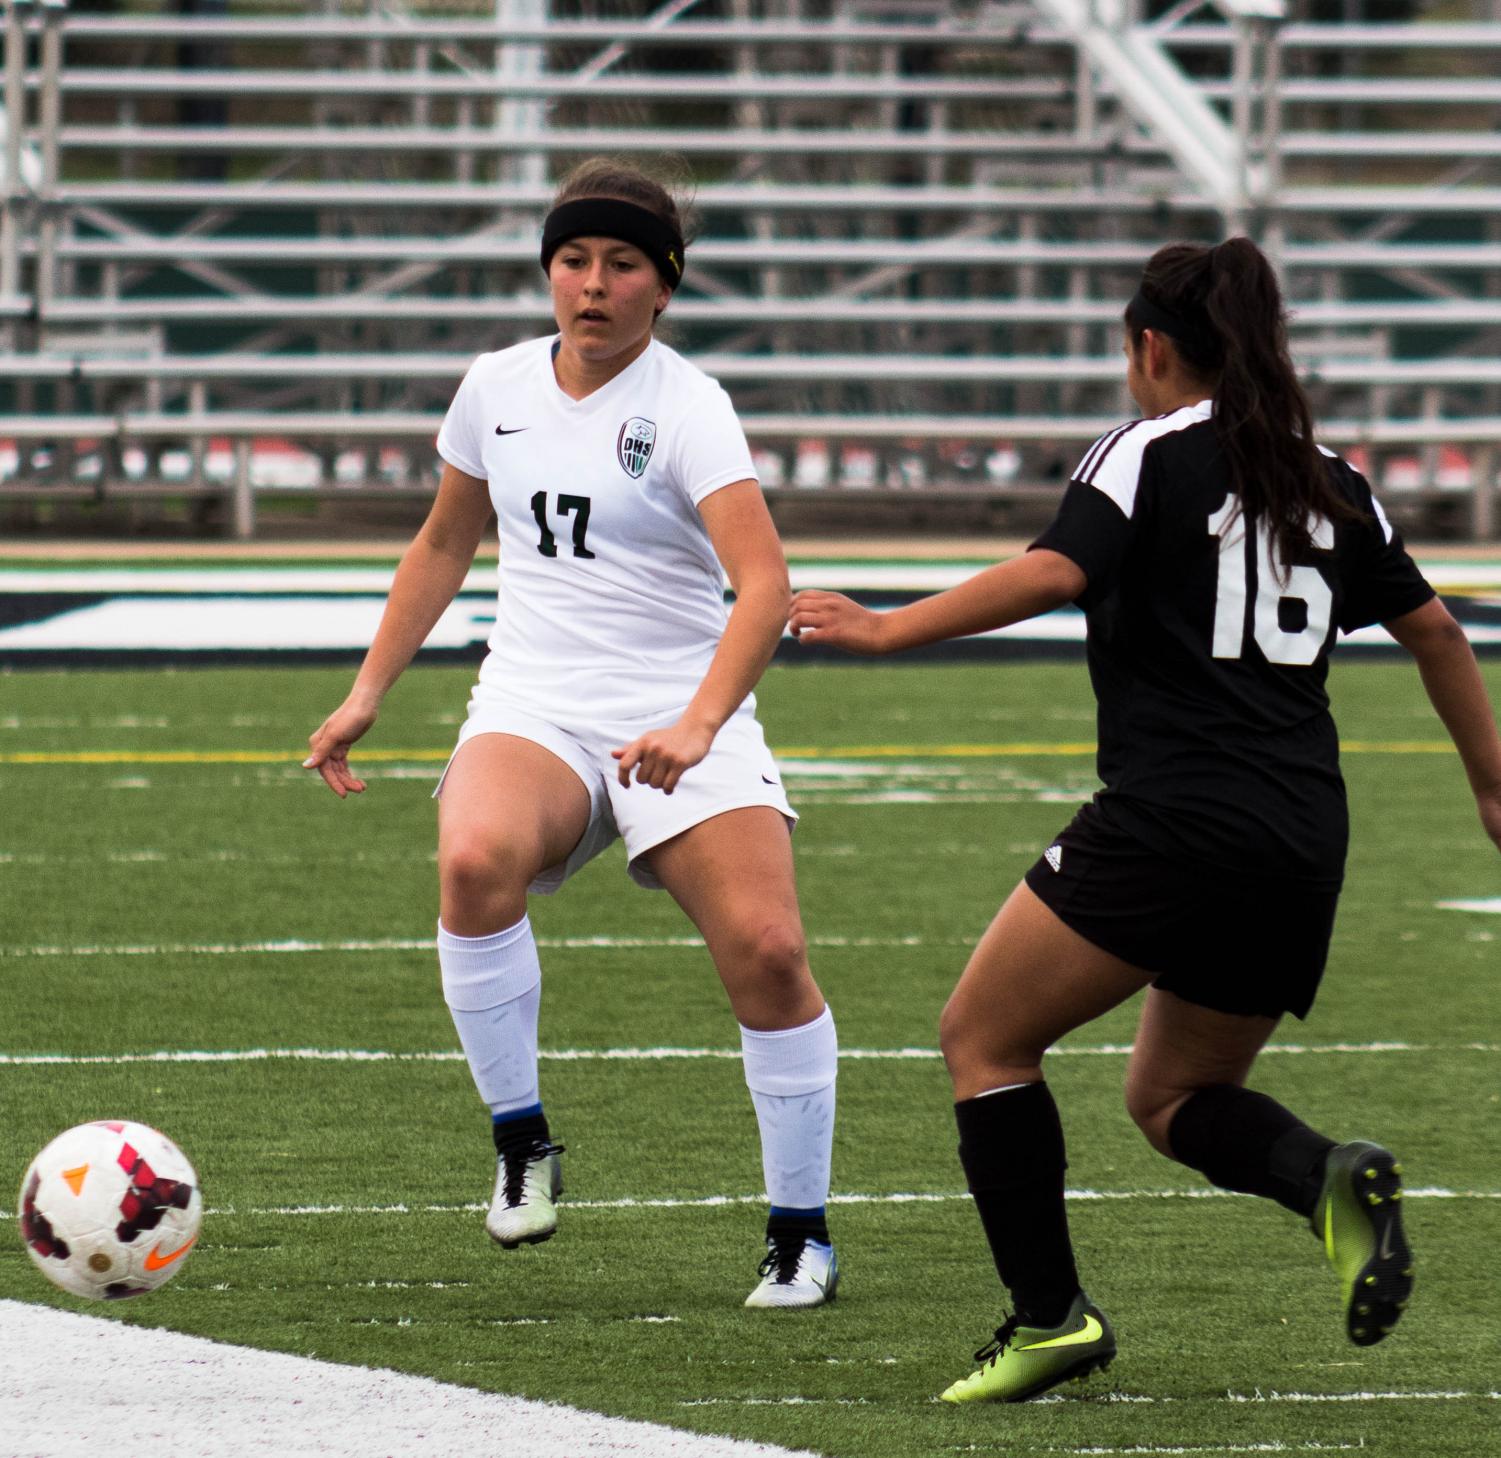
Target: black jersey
pixel 1209 659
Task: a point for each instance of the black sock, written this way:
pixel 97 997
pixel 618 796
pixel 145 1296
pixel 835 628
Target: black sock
pixel 1011 1146
pixel 1242 1140
pixel 807 1224
pixel 529 1129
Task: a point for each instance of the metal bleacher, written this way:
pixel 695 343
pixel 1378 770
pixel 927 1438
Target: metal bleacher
pixel 245 257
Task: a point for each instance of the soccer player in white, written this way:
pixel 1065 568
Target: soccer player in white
pixel 615 700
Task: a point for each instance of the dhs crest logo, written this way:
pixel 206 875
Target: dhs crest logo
pixel 633 446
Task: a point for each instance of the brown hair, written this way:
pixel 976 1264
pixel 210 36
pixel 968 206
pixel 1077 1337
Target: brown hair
pixel 1235 339
pixel 626 182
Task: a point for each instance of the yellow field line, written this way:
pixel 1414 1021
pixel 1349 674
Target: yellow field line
pixel 1020 750
pixel 1395 746
pixel 1024 749
pixel 930 751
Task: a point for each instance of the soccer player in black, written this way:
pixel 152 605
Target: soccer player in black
pixel 1216 551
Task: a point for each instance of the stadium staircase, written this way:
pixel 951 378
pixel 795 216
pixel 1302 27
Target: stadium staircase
pixel 247 257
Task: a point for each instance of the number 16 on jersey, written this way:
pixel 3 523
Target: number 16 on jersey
pixel 1274 583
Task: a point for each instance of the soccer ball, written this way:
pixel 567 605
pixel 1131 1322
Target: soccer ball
pixel 110 1209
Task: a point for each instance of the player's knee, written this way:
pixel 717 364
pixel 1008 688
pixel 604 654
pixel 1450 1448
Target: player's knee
pixel 970 1045
pixel 988 1041
pixel 474 870
pixel 764 966
pixel 1151 1107
pixel 776 952
pixel 953 1035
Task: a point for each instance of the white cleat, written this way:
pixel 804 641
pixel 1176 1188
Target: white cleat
pixel 528 1182
pixel 796 1273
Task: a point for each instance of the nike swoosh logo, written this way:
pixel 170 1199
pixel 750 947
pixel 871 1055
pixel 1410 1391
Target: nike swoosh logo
pixel 501 430
pixel 155 1260
pixel 1386 1243
pixel 767 781
pixel 1091 1331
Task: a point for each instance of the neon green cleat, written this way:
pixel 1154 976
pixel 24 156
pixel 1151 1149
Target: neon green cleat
pixel 1359 1218
pixel 1024 1361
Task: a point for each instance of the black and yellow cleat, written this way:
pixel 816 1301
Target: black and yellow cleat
pixel 1359 1218
pixel 1025 1361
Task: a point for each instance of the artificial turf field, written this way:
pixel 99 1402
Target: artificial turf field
pixel 194 891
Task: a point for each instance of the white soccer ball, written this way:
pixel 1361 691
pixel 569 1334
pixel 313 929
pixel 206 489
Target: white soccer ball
pixel 110 1209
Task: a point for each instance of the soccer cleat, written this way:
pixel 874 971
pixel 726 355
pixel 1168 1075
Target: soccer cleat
pixel 1024 1361
pixel 528 1182
pixel 796 1272
pixel 1358 1216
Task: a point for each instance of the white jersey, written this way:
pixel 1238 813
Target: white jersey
pixel 611 597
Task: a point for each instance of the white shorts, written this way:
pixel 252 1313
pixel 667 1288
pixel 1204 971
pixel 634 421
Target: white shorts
pixel 737 772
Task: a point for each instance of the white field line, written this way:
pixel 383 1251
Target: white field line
pixel 1272 1447
pixel 1111 1398
pixel 719 1202
pixel 298 946
pixel 1359 1396
pixel 1243 1398
pixel 649 1054
pixel 76 1386
pixel 292 946
pixel 1240 1400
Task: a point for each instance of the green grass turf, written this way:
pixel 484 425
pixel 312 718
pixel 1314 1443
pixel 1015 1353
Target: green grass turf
pixel 1211 1297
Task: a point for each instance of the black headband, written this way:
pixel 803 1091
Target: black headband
pixel 1199 337
pixel 609 217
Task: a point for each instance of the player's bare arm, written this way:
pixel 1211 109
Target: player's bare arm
pixel 1452 680
pixel 1010 592
pixel 746 542
pixel 428 578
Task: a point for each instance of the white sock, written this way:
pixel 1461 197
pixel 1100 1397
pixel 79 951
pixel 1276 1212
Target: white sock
pixel 791 1075
pixel 493 988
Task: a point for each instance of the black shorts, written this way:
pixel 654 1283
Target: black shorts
pixel 1237 942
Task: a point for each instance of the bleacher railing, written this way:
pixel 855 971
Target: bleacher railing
pixel 256 253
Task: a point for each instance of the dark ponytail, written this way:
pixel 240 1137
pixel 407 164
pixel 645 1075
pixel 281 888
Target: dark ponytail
pixel 1234 337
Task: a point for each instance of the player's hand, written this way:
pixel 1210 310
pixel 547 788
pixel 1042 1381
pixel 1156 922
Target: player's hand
pixel 1489 805
pixel 329 746
pixel 660 756
pixel 832 618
